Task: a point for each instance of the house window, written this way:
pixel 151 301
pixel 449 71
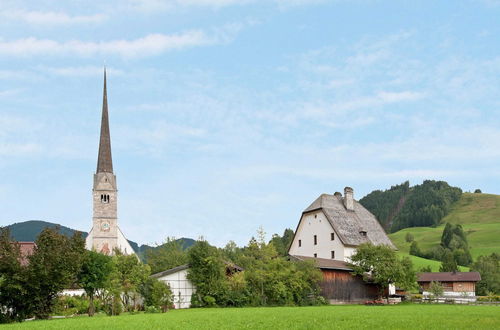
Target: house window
pixel 300 242
pixel 332 236
pixel 315 240
pixel 315 216
pixel 333 254
pixel 315 255
pixel 363 233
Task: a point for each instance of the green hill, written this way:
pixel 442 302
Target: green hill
pixel 479 215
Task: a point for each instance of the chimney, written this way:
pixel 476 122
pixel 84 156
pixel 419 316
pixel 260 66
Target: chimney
pixel 349 199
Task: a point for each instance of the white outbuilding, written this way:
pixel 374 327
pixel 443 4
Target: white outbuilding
pixel 181 287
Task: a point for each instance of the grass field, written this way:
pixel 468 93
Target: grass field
pixel 324 317
pixel 479 215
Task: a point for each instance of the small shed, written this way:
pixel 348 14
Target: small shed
pixel 339 285
pixel 455 284
pixel 181 287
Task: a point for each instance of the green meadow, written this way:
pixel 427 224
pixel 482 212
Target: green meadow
pixel 324 317
pixel 479 215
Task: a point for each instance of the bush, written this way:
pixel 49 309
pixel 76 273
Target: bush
pixel 209 301
pixel 115 308
pixel 70 305
pixel 409 238
pixel 151 309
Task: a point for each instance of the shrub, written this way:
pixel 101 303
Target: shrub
pixel 115 308
pixel 409 238
pixel 209 301
pixel 151 309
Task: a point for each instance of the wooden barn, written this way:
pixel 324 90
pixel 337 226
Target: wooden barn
pixel 455 284
pixel 339 285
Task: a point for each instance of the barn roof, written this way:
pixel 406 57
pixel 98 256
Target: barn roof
pixel 449 277
pixel 325 263
pixel 349 225
pixel 170 271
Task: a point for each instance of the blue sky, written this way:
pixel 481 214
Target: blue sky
pixel 229 115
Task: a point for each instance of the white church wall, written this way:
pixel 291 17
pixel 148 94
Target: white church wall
pixel 317 224
pixel 181 287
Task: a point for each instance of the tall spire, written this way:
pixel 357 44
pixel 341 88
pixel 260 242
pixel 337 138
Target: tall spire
pixel 104 160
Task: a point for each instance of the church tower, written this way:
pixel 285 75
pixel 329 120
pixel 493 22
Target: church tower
pixel 105 235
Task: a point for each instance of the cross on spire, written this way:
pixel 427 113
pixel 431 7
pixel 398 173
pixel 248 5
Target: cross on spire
pixel 104 160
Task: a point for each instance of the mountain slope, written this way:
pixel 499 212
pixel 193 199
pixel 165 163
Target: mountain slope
pixel 28 231
pixel 403 206
pixel 479 215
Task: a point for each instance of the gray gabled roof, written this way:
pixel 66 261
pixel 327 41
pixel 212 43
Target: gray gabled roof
pixel 170 271
pixel 349 224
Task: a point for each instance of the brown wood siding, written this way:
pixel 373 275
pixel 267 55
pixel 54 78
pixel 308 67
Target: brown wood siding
pixel 464 286
pixel 452 286
pixel 342 286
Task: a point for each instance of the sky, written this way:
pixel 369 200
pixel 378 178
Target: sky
pixel 228 115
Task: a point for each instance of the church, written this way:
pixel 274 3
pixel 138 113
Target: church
pixel 105 236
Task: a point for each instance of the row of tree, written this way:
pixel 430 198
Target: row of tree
pixel 270 277
pixel 452 251
pixel 403 206
pixel 59 262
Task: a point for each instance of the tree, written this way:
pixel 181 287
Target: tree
pixel 129 273
pixel 53 267
pixel 380 265
pixel 94 275
pixel 436 289
pixel 207 273
pixel 156 293
pixel 14 304
pixel 454 240
pixel 448 263
pixel 415 250
pixel 282 243
pixel 426 269
pixel 409 238
pixel 489 268
pixel 166 256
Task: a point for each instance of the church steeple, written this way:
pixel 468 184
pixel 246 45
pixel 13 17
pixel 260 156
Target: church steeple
pixel 104 160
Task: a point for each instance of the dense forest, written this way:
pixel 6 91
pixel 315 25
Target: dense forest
pixel 403 206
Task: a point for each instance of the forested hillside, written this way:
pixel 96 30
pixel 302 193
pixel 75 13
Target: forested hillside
pixel 28 231
pixel 403 206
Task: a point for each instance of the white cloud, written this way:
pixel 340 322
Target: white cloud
pixel 50 18
pixel 8 92
pixel 150 45
pixel 79 71
pixel 163 5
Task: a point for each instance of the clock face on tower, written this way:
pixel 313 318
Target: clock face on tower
pixel 105 226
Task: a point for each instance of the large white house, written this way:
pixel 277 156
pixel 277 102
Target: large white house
pixel 333 226
pixel 328 232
